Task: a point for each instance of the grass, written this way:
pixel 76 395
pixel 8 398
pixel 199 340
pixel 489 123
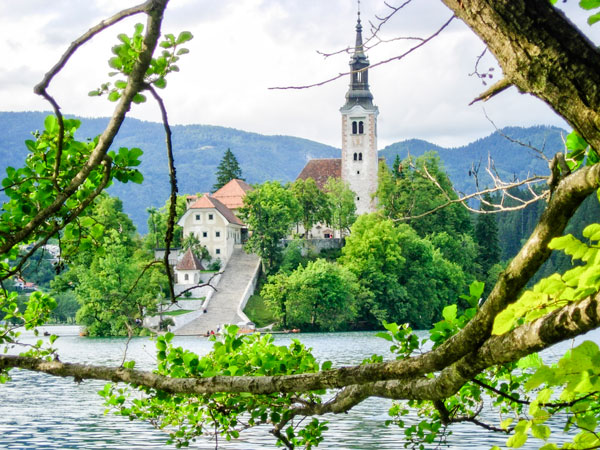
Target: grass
pixel 192 298
pixel 177 312
pixel 258 312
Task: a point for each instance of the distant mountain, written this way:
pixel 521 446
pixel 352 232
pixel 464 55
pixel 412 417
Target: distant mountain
pixel 199 149
pixel 511 157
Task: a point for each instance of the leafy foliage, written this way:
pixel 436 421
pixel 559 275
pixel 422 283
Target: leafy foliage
pixel 187 417
pixel 314 204
pixel 269 211
pixel 558 290
pixel 341 204
pixel 410 281
pixel 322 296
pixel 114 280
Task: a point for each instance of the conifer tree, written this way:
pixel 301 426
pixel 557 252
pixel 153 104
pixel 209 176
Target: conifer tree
pixel 228 169
pixel 486 236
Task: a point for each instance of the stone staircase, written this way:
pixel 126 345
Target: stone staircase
pixel 223 307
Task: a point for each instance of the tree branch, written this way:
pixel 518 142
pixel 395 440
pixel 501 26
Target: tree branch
pixel 154 9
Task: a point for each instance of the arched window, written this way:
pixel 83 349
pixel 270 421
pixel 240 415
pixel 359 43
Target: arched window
pixel 186 277
pixel 361 127
pixel 355 157
pixel 360 155
pixel 354 129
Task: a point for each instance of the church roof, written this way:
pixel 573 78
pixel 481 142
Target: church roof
pixel 232 194
pixel 189 262
pixel 207 202
pixel 321 170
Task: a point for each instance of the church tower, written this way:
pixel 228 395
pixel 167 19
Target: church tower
pixel 359 131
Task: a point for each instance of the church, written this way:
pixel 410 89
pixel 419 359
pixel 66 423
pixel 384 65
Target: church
pixel 359 162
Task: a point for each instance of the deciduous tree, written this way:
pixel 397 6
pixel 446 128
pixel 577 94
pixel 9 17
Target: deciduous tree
pixel 269 211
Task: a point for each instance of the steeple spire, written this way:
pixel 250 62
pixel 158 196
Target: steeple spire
pixel 358 47
pixel 358 93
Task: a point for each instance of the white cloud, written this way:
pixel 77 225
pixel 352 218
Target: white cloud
pixel 243 47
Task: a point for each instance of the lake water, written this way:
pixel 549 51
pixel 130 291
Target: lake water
pixel 39 411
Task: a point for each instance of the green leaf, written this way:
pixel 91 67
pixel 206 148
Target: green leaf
pixel 386 336
pixel 160 83
pixel 593 19
pixel 449 313
pixel 139 98
pixel 589 4
pixel 137 177
pixel 51 124
pixel 114 96
pixel 326 365
pixel 184 36
pixel 540 431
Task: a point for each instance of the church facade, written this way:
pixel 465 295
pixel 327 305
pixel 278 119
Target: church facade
pixel 359 163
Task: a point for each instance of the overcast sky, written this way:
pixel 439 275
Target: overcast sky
pixel 243 47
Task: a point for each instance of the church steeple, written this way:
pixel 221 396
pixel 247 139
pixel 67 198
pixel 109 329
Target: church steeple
pixel 359 131
pixel 358 92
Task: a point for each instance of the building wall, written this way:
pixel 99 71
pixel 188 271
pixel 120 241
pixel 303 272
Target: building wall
pixel 213 231
pixel 360 174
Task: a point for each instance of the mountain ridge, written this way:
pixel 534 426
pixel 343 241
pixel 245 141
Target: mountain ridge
pixel 198 150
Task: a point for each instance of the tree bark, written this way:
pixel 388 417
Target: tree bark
pixel 542 53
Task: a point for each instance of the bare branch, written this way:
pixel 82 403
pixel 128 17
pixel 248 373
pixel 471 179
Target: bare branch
pixel 173 196
pixel 385 61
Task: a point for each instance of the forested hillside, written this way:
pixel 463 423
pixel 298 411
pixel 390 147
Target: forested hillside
pixel 507 148
pixel 199 148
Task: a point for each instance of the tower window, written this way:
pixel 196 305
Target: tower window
pixel 360 155
pixel 355 157
pixel 354 127
pixel 361 127
pixel 217 234
pixel 357 198
pixel 358 172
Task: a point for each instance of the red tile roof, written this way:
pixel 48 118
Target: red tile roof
pixel 208 201
pixel 321 170
pixel 232 194
pixel 189 262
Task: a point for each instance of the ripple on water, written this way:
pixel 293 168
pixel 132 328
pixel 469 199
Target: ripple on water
pixel 43 412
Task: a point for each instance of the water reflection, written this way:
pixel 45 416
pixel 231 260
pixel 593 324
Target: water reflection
pixel 44 412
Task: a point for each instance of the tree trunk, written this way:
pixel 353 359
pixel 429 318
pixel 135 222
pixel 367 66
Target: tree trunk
pixel 542 53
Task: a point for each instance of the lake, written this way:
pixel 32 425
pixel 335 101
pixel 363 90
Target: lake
pixel 39 411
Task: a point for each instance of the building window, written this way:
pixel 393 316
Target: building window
pixel 217 234
pixel 355 156
pixel 186 277
pixel 361 127
pixel 210 217
pixel 197 216
pixel 357 198
pixel 218 251
pixel 354 127
pixel 204 234
pixel 360 156
pixel 358 172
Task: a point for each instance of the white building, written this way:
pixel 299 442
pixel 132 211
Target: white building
pixel 212 219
